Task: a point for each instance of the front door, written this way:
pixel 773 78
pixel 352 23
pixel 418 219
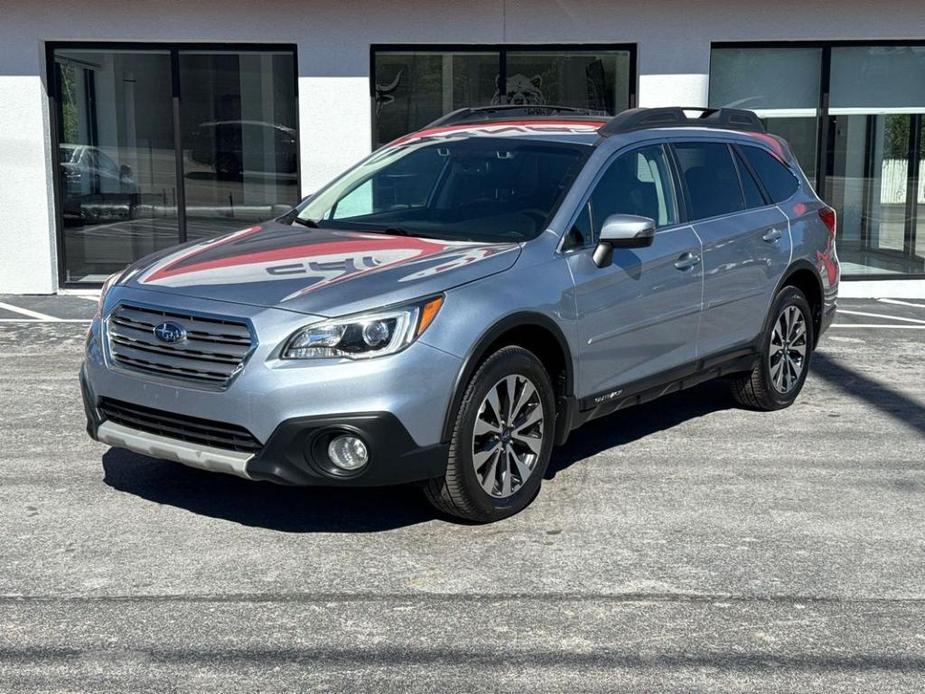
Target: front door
pixel 637 317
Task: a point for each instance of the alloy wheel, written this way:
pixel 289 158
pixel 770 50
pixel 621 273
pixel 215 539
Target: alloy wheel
pixel 787 352
pixel 508 436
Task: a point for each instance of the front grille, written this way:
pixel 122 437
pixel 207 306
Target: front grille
pixel 214 349
pixel 173 426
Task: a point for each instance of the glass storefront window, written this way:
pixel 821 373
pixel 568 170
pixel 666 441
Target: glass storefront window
pixel 917 242
pixel 597 80
pixel 780 84
pixel 870 163
pixel 877 96
pixel 240 142
pixel 119 155
pixel 412 88
pixel 116 159
pixel 415 88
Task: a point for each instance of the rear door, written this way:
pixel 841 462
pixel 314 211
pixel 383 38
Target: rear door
pixel 639 316
pixel 746 242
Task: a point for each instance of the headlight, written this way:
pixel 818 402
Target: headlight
pixel 107 285
pixel 364 336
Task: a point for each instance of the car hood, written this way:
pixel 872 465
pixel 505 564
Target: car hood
pixel 322 272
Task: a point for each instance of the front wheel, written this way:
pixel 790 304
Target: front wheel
pixel 786 350
pixel 502 440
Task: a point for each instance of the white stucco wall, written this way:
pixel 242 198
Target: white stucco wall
pixel 333 38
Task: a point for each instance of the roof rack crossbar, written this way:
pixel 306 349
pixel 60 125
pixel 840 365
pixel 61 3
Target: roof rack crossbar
pixel 506 111
pixel 675 117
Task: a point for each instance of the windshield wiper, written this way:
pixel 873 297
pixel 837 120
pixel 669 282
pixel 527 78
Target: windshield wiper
pixel 389 231
pixel 396 231
pixel 310 223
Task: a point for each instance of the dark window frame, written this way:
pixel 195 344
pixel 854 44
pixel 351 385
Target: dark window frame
pixel 174 48
pixel 744 170
pixel 824 139
pixel 502 49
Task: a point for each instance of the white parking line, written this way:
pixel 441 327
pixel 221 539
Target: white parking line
pixel 900 303
pixel 880 315
pixel 878 325
pixel 27 312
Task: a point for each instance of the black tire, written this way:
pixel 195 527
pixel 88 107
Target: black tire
pixel 459 492
pixel 756 389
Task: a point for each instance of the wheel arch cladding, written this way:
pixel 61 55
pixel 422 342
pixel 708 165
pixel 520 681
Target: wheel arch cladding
pixel 534 332
pixel 804 277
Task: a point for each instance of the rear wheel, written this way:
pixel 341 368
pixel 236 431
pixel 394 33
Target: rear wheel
pixel 501 441
pixel 787 345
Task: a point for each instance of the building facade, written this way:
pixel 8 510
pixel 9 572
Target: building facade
pixel 126 127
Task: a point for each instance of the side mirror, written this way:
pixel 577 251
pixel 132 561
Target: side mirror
pixel 125 173
pixel 623 231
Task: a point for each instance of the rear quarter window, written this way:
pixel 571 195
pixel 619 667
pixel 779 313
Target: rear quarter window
pixel 778 180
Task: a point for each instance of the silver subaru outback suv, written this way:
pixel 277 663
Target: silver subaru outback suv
pixel 450 309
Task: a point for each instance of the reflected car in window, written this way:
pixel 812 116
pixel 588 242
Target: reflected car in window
pixel 222 146
pixel 94 186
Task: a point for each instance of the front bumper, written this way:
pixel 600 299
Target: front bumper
pixel 396 403
pixel 294 453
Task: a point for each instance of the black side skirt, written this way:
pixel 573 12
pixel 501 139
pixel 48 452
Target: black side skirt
pixel 652 387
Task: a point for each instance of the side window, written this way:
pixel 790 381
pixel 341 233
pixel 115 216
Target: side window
pixel 711 179
pixel 753 196
pixel 357 203
pixel 580 233
pixel 638 182
pixel 778 180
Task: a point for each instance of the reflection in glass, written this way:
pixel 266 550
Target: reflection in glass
pixel 867 186
pixel 597 80
pixel 240 145
pixel 917 243
pixel 877 96
pixel 413 89
pixel 116 158
pixel 780 84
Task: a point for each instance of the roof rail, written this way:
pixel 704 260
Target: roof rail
pixel 675 117
pixel 507 111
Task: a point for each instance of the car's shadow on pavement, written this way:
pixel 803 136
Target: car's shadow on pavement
pixel 319 509
pixel 263 504
pixel 640 421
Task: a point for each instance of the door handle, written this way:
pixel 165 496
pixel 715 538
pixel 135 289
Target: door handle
pixel 687 260
pixel 772 235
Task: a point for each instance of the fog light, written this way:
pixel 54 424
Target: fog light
pixel 348 452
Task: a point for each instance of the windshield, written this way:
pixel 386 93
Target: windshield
pixel 476 189
pixel 67 154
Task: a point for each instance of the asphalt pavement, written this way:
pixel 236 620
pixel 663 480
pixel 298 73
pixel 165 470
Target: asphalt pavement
pixel 685 545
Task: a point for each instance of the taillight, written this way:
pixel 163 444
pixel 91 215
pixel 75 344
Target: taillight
pixel 827 215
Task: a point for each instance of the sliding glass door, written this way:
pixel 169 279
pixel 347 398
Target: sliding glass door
pixel 116 158
pixel 240 143
pixel 854 116
pixel 157 145
pixel 876 101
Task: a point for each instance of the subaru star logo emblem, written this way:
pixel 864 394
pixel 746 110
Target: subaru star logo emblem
pixel 170 332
